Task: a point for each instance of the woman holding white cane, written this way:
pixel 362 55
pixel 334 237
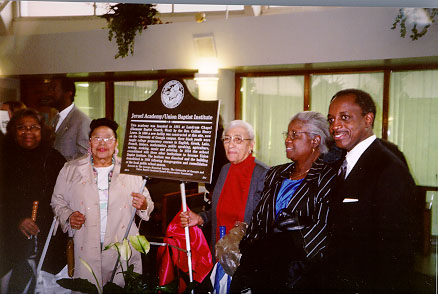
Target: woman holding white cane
pixel 31 167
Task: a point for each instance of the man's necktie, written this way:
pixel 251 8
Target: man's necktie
pixel 342 172
pixel 55 122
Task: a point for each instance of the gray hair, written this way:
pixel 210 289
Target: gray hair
pixel 243 124
pixel 317 125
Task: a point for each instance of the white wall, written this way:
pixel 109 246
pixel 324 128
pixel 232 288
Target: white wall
pixel 51 25
pixel 342 34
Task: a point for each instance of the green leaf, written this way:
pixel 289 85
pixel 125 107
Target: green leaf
pixel 140 243
pixel 130 271
pixel 136 285
pixel 87 266
pixel 172 287
pixel 125 20
pixel 112 288
pixel 108 246
pixel 125 250
pixel 78 285
pixel 418 29
pixel 92 272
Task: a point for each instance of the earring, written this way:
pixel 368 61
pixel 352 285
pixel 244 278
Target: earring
pixel 313 149
pixel 89 150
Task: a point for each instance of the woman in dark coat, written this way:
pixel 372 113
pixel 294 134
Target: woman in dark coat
pixel 288 232
pixel 31 167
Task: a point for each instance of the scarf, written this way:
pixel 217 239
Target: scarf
pixel 232 201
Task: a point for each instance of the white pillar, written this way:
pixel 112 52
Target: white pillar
pixel 226 93
pixel 207 85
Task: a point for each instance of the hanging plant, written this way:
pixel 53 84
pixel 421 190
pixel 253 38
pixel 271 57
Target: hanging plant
pixel 125 20
pixel 418 19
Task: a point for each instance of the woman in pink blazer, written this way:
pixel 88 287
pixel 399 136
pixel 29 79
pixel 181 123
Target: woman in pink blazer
pixel 93 202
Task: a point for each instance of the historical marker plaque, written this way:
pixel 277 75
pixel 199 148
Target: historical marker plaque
pixel 171 135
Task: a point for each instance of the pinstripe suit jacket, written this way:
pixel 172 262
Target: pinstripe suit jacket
pixel 310 201
pixel 72 135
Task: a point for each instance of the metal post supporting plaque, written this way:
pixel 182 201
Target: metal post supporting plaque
pixel 186 231
pixel 134 210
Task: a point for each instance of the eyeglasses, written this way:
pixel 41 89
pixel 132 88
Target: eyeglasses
pixel 294 134
pixel 237 139
pixel 105 140
pixel 33 128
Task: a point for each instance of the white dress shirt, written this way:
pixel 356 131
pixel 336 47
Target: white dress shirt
pixel 63 114
pixel 354 154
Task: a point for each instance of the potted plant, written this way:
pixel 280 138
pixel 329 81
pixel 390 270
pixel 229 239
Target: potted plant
pixel 418 19
pixel 125 20
pixel 134 282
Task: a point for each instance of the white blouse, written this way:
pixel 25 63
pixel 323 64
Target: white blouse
pixel 103 187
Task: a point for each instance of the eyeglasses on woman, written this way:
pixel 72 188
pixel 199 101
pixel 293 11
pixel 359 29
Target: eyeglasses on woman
pixel 237 139
pixel 33 128
pixel 105 140
pixel 294 134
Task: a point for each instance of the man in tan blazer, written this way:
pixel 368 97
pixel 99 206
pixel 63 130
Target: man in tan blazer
pixel 71 125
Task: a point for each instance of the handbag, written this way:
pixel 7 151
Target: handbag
pixel 275 262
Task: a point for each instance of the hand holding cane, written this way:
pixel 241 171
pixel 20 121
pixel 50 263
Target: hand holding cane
pixel 28 226
pixel 34 210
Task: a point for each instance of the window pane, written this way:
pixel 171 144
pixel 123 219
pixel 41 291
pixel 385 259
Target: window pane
pixel 102 8
pixel 413 121
pixel 52 8
pixel 125 92
pixel 193 87
pixel 198 8
pixel 325 86
pixel 268 103
pixel 164 8
pixel 90 98
pixel 57 8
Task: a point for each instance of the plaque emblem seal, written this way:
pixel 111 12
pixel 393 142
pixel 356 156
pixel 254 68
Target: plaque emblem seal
pixel 172 94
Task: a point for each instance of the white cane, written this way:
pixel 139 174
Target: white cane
pixel 43 254
pixel 186 231
pixel 46 246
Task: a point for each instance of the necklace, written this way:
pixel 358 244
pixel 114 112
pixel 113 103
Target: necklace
pixel 95 173
pixel 292 176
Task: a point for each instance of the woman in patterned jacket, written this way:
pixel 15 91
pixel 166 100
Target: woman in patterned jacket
pixel 288 231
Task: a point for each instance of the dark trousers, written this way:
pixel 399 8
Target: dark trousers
pixel 274 264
